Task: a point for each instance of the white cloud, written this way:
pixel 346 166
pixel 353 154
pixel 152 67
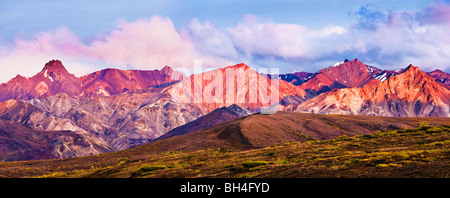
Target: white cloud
pixel 210 40
pixel 149 43
pixel 400 38
pixel 254 38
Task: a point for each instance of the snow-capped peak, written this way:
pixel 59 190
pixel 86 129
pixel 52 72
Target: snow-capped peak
pixel 337 64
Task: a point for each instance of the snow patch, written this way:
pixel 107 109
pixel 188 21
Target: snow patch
pixel 338 63
pixel 47 76
pixel 382 77
pixel 45 73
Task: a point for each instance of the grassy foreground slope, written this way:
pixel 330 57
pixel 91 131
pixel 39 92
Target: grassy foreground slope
pixel 260 131
pixel 419 152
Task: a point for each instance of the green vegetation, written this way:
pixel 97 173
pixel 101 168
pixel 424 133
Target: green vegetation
pixel 252 164
pixel 419 152
pixel 146 169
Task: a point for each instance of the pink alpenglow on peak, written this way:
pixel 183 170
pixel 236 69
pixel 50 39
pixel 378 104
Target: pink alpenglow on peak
pixel 411 93
pixel 237 84
pixel 114 81
pixel 53 79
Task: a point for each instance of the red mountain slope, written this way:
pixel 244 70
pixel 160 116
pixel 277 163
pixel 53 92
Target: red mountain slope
pixel 345 74
pixel 54 78
pixel 114 81
pixel 410 93
pixel 238 84
pixel 441 77
pixel 350 73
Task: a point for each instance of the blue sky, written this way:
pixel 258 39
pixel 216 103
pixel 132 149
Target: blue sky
pixel 87 17
pixel 293 35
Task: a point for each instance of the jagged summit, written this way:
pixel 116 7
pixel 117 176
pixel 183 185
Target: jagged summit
pixel 174 75
pixel 53 79
pixel 54 65
pixel 54 70
pixel 240 65
pixel 340 62
pixel 347 73
pixel 167 69
pixel 411 68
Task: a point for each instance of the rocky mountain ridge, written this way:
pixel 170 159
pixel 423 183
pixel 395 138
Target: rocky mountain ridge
pixel 411 93
pixel 116 109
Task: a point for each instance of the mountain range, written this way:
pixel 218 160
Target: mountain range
pixel 408 93
pixel 55 114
